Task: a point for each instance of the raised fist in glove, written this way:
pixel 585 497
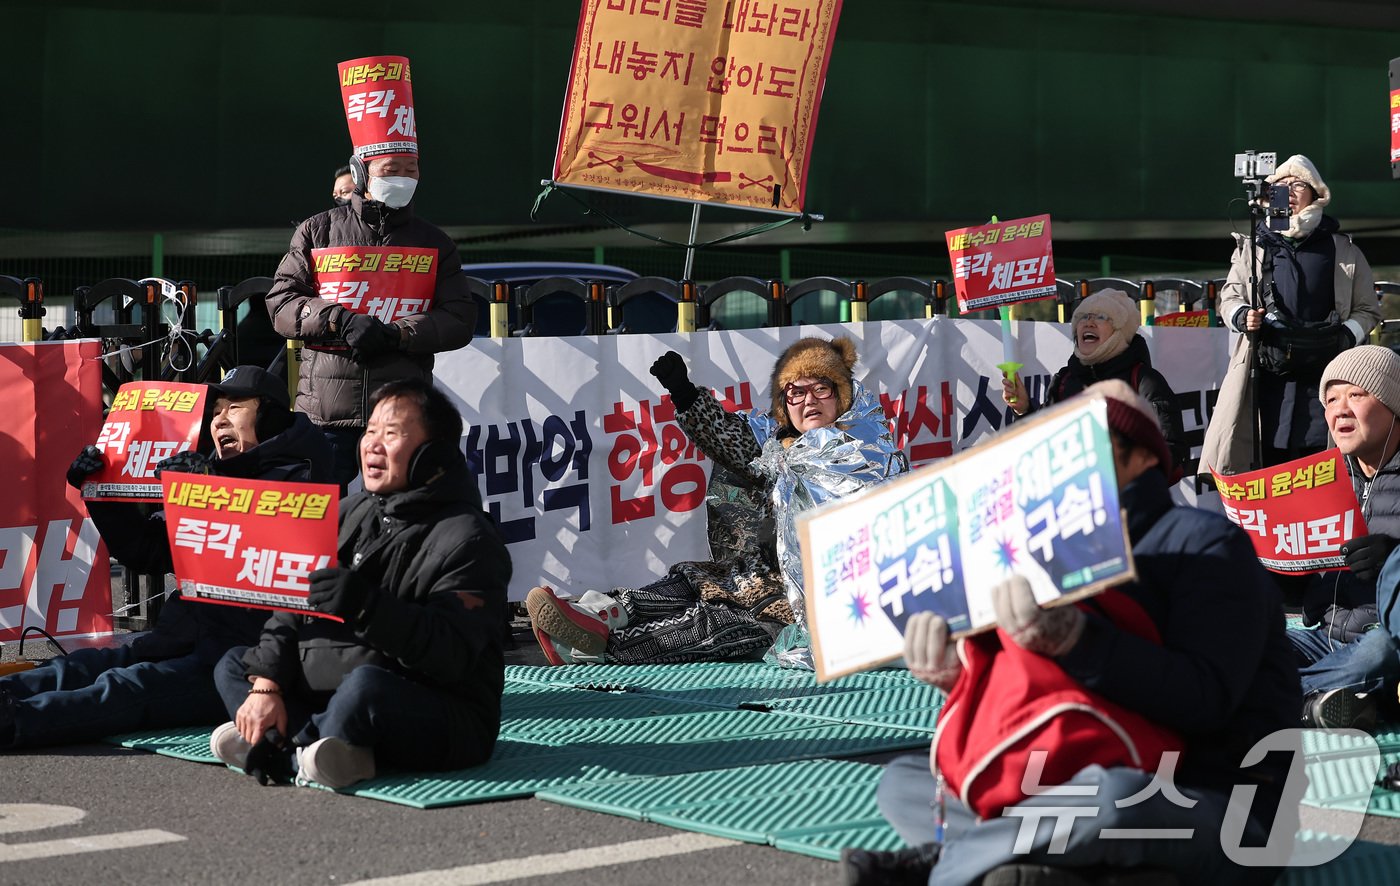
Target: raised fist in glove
pixel 1049 632
pixel 340 592
pixel 669 369
pixel 367 335
pixel 187 462
pixel 930 652
pixel 1366 554
pixel 89 462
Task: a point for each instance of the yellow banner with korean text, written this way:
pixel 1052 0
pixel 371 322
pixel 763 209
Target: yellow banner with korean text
pixel 249 542
pixel 711 101
pixel 1297 514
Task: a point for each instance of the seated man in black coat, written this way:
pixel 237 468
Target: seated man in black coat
pixel 412 676
pixel 164 678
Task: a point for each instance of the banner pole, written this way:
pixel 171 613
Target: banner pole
pixel 690 241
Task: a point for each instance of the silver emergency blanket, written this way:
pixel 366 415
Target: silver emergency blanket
pixel 822 465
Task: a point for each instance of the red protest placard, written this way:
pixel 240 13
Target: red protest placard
pixel 1297 514
pixel 1394 125
pixel 1003 263
pixel 148 423
pixel 1199 319
pixel 53 565
pixel 385 282
pixel 377 92
pixel 250 542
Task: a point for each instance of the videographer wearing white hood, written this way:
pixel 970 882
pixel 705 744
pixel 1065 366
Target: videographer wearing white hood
pixel 1315 287
pixel 340 287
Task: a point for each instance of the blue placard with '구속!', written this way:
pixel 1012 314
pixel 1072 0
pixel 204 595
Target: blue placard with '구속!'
pixel 1041 501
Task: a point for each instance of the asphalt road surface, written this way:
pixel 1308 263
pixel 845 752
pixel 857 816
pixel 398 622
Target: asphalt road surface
pixel 100 814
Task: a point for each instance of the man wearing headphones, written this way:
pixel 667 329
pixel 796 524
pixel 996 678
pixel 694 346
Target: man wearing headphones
pixel 1348 660
pixel 356 338
pixel 410 675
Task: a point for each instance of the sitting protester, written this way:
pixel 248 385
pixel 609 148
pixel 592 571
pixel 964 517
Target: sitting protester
pixel 1159 679
pixel 164 678
pixel 411 672
pixel 1347 658
pixel 825 437
pixel 1107 345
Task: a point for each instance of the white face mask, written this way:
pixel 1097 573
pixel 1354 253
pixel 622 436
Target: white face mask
pixel 393 191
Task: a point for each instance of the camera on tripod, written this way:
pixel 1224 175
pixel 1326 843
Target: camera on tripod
pixel 1253 168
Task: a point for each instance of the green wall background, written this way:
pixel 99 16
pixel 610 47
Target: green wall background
pixel 190 115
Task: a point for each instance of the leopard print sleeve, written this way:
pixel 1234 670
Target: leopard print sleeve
pixel 723 436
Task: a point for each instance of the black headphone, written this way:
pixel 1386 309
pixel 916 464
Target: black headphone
pixel 430 461
pixel 359 174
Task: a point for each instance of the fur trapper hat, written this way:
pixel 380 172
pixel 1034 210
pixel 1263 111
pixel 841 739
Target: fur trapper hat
pixel 832 359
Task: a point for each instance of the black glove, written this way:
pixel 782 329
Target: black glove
pixel 669 369
pixel 367 335
pixel 1345 339
pixel 270 760
pixel 1366 554
pixel 340 592
pixel 187 462
pixel 89 462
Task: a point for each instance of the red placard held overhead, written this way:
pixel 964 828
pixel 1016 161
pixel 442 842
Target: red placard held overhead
pixel 377 92
pixel 148 423
pixel 1297 514
pixel 1003 263
pixel 250 542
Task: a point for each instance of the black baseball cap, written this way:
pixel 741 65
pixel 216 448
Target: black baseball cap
pixel 253 381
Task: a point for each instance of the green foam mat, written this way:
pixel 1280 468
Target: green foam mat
pixel 826 843
pixel 521 774
pixel 563 719
pixel 190 743
pixel 645 731
pixel 640 798
pixel 646 798
pixel 912 705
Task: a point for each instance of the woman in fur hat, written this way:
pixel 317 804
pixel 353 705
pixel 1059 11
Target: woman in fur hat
pixel 1107 345
pixel 1308 273
pixel 825 437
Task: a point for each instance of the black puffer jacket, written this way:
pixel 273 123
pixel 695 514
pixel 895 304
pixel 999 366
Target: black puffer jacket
pixel 333 389
pixel 299 454
pixel 1224 681
pixel 1340 601
pixel 441 570
pixel 1133 366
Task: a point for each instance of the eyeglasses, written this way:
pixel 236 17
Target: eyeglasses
pixel 795 394
pixel 1100 318
pixel 1297 187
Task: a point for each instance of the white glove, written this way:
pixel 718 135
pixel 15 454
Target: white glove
pixel 1049 632
pixel 929 651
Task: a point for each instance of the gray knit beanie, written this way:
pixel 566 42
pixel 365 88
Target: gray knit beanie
pixel 1371 367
